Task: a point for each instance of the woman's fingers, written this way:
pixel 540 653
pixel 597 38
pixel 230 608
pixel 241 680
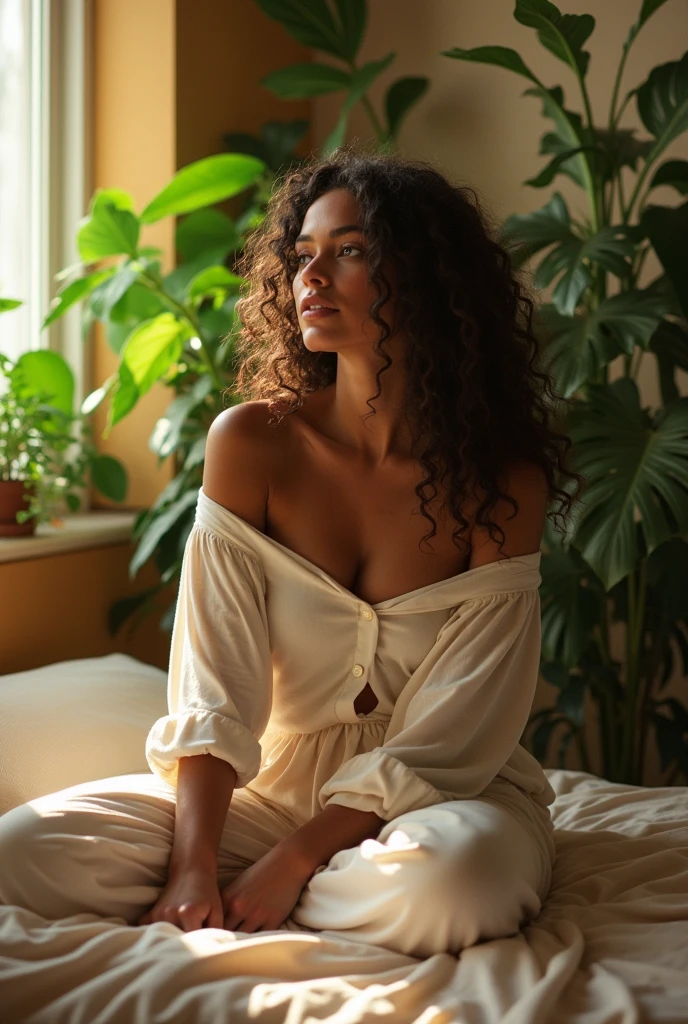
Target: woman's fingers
pixel 192 916
pixel 215 918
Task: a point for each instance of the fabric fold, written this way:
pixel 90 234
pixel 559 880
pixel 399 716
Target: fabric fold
pixel 460 716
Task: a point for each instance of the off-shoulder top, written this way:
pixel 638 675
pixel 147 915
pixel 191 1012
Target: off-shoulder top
pixel 269 653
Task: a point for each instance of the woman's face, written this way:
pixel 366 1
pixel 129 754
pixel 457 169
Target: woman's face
pixel 333 269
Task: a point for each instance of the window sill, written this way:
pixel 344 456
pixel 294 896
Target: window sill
pixel 80 531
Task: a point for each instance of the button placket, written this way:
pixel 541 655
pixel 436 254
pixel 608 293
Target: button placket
pixel 361 661
pixel 368 642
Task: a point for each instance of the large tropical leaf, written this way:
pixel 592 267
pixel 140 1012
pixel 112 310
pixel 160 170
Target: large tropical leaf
pixel 110 477
pixel 667 229
pixel 673 173
pixel 301 81
pixel 573 259
pixel 399 99
pixel 571 137
pixel 204 183
pixel 136 305
pixel 168 430
pixel 561 34
pixel 632 466
pixel 203 231
pixel 578 347
pixel 620 148
pixel 107 293
pixel 572 604
pixel 352 17
pixel 531 232
pixel 311 23
pixel 47 373
pixel 158 527
pixel 108 230
pixel 663 103
pixel 152 347
pixel 75 292
pixel 670 346
pixel 125 395
pixel 649 7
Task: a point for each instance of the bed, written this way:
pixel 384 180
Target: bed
pixel 609 947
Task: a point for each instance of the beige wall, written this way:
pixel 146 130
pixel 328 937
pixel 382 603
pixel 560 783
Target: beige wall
pixel 475 125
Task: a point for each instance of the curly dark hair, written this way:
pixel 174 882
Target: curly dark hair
pixel 475 392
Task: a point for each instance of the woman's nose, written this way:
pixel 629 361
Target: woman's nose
pixel 315 270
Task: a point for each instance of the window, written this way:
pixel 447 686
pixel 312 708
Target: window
pixel 45 168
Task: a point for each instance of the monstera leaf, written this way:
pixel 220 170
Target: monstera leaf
pixel 572 604
pixel 634 464
pixel 579 347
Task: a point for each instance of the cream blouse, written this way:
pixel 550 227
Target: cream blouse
pixel 269 653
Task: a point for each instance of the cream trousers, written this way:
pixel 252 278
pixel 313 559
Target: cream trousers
pixel 435 880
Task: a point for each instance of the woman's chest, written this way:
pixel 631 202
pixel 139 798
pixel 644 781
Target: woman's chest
pixel 363 528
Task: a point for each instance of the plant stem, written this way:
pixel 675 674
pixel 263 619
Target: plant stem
pixel 647 684
pixel 639 183
pixel 596 200
pixel 377 127
pixel 622 208
pixel 158 287
pixel 606 703
pixel 582 752
pixel 634 637
pixel 639 654
pixel 613 116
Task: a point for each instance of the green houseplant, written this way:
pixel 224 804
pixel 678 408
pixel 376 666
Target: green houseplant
pixel 176 328
pixel 337 29
pixel 45 451
pixel 626 559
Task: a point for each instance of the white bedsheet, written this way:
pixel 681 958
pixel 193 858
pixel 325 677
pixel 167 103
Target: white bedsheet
pixel 609 947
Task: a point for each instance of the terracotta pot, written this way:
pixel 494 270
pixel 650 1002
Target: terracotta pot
pixel 12 500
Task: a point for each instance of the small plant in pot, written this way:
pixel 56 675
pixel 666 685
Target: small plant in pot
pixel 45 447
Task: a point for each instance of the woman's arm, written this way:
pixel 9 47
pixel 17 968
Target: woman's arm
pixel 205 785
pixel 334 828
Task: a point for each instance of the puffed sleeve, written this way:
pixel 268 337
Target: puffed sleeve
pixel 219 689
pixel 459 717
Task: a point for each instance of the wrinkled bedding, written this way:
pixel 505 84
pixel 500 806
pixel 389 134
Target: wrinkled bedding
pixel 609 947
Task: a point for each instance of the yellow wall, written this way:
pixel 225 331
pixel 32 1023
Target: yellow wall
pixel 56 609
pixel 171 77
pixel 134 112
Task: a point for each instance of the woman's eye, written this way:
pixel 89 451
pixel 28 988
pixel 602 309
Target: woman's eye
pixel 349 246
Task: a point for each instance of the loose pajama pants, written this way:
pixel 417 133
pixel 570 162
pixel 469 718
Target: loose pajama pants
pixel 435 880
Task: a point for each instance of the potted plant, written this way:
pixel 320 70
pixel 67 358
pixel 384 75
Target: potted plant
pixel 45 451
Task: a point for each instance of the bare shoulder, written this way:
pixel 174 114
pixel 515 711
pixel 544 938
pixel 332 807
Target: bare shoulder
pixel 526 483
pixel 241 451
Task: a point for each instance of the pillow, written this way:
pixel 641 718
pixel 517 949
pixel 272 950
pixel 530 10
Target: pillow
pixel 75 721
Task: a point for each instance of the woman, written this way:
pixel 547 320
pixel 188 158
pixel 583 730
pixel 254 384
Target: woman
pixel 345 707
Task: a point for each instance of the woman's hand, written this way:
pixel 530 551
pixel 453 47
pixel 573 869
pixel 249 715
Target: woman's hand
pixel 190 900
pixel 264 895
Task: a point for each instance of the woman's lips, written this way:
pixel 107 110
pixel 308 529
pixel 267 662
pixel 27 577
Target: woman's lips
pixel 316 314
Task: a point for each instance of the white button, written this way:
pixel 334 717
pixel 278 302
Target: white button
pixel 367 614
pixel 360 714
pixel 357 670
